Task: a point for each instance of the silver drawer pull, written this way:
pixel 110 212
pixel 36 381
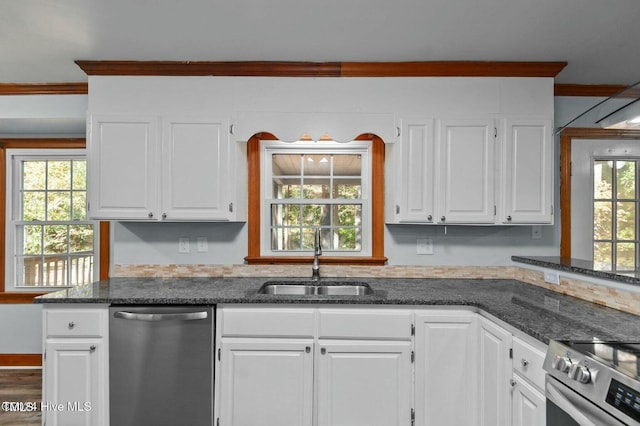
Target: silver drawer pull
pixel 71 324
pixel 524 362
pixel 178 316
pixel 92 348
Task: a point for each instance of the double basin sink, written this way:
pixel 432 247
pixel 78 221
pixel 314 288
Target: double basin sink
pixel 315 288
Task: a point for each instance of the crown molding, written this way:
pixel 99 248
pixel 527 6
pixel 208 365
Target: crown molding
pixel 595 90
pixel 324 69
pixel 44 88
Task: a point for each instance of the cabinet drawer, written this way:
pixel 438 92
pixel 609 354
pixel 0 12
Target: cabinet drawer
pixel 271 322
pixel 527 360
pixel 75 322
pixel 365 324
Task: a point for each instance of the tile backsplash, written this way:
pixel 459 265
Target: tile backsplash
pixel 611 297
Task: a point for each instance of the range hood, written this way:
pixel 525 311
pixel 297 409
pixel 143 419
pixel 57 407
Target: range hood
pixel 620 111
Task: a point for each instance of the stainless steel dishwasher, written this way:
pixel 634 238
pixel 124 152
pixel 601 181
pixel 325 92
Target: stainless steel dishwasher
pixel 161 365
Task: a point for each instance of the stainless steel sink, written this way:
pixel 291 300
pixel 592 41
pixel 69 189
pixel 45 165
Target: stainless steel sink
pixel 312 288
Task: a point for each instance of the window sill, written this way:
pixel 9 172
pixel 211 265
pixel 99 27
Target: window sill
pixel 18 298
pixel 307 260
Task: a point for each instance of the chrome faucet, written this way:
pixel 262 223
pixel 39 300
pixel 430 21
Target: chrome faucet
pixel 317 251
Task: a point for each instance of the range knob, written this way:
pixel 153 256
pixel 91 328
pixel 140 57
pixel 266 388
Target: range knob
pixel 579 374
pixel 561 363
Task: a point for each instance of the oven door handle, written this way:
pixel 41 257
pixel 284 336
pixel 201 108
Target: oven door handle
pixel 576 407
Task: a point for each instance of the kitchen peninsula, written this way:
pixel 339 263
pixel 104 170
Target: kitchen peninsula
pixel 495 332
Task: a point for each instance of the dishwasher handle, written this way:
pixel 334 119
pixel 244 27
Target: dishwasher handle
pixel 177 316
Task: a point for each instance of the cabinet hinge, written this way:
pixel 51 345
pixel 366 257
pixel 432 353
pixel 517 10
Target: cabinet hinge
pixel 218 421
pixel 571 168
pixel 44 356
pixel 413 417
pixel 413 357
pixel 397 209
pixel 230 207
pixel 510 353
pixel 413 329
pixel 231 129
pixel 551 209
pixel 495 132
pixel 398 131
pixel 495 210
pixel 219 354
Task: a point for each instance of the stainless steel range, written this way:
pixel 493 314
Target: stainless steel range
pixel 592 383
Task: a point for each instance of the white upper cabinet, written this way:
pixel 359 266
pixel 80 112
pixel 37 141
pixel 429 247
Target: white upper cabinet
pixel 195 157
pixel 416 172
pixel 526 158
pixel 122 166
pixel 160 168
pixel 465 188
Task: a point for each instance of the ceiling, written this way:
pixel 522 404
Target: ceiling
pixel 40 39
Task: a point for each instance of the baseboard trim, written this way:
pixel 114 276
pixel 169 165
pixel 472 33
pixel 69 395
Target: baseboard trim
pixel 20 360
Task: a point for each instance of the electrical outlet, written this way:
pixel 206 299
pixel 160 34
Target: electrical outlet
pixel 536 232
pixel 203 244
pixel 424 246
pixel 552 277
pixel 183 245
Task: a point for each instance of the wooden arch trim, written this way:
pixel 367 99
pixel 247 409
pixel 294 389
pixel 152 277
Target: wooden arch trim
pixel 377 209
pixel 566 137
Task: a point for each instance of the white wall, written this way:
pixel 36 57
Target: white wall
pixel 157 243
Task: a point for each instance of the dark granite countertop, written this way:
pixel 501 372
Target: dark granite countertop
pixel 579 266
pixel 540 313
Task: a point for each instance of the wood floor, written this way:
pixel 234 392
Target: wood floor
pixel 23 385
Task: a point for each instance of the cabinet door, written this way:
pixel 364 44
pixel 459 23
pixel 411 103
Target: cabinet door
pixel 122 171
pixel 364 383
pixel 527 172
pixel 446 368
pixel 529 404
pixel 416 172
pixel 75 382
pixel 267 382
pixel 195 169
pixel 495 373
pixel 466 175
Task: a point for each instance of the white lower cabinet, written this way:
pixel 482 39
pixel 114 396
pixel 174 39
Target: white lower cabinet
pixel 75 366
pixel 266 382
pixel 528 403
pixel 359 366
pixel 364 383
pixel 495 374
pixel 280 370
pixel 446 372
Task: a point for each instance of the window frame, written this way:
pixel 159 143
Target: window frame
pixel 270 148
pixel 254 217
pixel 102 264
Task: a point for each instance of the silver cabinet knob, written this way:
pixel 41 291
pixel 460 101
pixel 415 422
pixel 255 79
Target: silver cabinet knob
pixel 430 218
pixel 512 382
pixel 443 218
pixel 92 348
pixel 524 362
pixel 323 351
pixel 307 349
pixel 71 325
pixel 150 215
pixel 508 218
pixel 164 215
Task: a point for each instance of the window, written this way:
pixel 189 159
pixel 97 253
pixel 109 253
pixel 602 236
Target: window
pixel 315 185
pixel 615 206
pixel 51 243
pixel 274 237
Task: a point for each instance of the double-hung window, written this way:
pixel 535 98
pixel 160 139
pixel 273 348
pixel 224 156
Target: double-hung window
pixel 50 241
pixel 309 185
